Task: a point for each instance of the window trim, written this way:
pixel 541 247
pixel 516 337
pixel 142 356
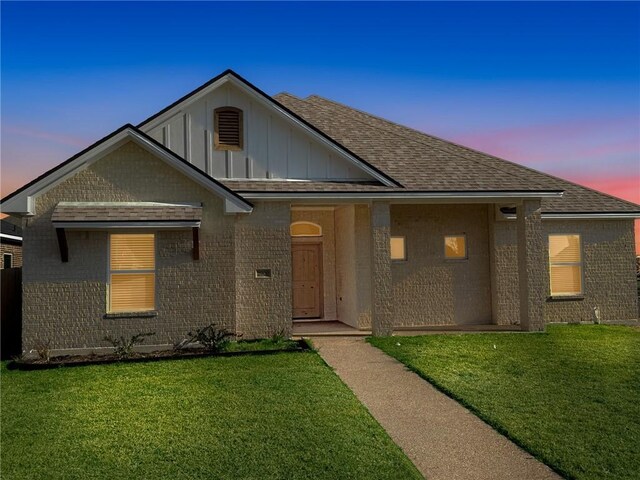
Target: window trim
pixel 444 247
pixel 216 120
pixel 579 264
pixel 404 244
pixel 10 255
pixel 133 313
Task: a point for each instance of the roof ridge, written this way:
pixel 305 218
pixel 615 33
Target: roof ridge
pixel 287 94
pixel 469 158
pixel 548 175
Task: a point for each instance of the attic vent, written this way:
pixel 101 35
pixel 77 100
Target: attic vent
pixel 227 128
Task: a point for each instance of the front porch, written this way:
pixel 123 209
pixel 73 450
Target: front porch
pixel 345 280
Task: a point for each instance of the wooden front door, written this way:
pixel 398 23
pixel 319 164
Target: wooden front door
pixel 306 263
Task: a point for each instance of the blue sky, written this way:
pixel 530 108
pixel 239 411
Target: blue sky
pixel 552 85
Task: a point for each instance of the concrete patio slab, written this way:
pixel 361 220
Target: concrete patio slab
pixel 442 438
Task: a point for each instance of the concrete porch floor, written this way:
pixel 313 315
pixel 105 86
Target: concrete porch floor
pixel 336 328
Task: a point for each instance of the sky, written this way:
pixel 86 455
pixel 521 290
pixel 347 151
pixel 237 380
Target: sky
pixel 554 86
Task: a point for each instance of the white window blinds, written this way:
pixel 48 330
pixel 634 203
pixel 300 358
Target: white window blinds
pixel 132 272
pixel 565 265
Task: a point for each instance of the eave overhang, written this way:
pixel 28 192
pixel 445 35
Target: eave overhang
pixel 583 215
pixel 405 196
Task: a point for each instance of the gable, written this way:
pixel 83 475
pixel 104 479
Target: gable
pixel 23 201
pixel 276 144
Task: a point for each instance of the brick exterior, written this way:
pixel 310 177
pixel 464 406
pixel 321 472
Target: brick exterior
pixel 381 281
pixel 531 255
pixel 65 303
pixel 15 251
pixel 429 289
pixel 505 287
pixel 262 241
pixel 363 266
pixel 608 272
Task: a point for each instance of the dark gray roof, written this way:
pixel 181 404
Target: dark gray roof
pixel 124 212
pixel 421 162
pixel 243 186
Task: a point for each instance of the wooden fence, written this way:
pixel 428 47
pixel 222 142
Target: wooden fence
pixel 11 313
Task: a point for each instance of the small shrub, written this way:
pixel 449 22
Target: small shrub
pixel 123 347
pixel 211 338
pixel 279 336
pixel 43 350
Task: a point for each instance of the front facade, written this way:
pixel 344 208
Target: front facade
pixel 251 212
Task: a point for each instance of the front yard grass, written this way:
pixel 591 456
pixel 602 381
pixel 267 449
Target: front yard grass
pixel 570 396
pixel 284 415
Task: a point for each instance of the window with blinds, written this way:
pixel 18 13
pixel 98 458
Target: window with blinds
pixel 132 274
pixel 455 247
pixel 398 249
pixel 565 265
pixel 227 128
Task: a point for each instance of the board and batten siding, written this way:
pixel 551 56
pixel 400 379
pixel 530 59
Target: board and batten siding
pixel 274 147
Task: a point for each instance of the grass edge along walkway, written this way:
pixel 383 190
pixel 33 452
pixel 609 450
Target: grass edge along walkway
pixel 278 416
pixel 570 396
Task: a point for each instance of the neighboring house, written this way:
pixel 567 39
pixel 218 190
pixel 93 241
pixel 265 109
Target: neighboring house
pixel 10 244
pixel 234 207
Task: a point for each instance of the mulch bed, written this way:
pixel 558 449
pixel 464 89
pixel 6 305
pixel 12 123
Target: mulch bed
pixel 137 357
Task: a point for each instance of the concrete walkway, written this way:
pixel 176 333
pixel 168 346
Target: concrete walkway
pixel 442 438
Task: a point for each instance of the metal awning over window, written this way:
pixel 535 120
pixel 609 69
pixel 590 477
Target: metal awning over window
pixel 84 215
pixel 125 215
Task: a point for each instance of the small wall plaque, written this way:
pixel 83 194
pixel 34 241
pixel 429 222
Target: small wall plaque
pixel 263 273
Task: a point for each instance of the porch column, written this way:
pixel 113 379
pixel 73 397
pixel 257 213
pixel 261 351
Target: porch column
pixel 531 265
pixel 381 289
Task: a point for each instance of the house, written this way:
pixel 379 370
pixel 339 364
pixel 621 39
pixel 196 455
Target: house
pixel 251 211
pixel 10 244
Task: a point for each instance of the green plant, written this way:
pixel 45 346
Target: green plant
pixel 123 347
pixel 43 350
pixel 211 338
pixel 279 335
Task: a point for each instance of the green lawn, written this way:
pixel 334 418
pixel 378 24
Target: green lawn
pixel 570 396
pixel 285 415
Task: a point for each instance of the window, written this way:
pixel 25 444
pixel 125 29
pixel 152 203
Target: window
pixel 565 265
pixel 398 249
pixel 227 128
pixel 132 272
pixel 7 260
pixel 455 247
pixel 305 229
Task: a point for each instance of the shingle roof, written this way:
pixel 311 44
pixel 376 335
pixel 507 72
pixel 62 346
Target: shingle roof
pixel 243 186
pixel 9 228
pixel 124 212
pixel 426 163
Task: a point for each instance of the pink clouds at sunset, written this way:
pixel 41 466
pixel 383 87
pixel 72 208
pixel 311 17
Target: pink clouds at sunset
pixel 603 154
pixel 568 141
